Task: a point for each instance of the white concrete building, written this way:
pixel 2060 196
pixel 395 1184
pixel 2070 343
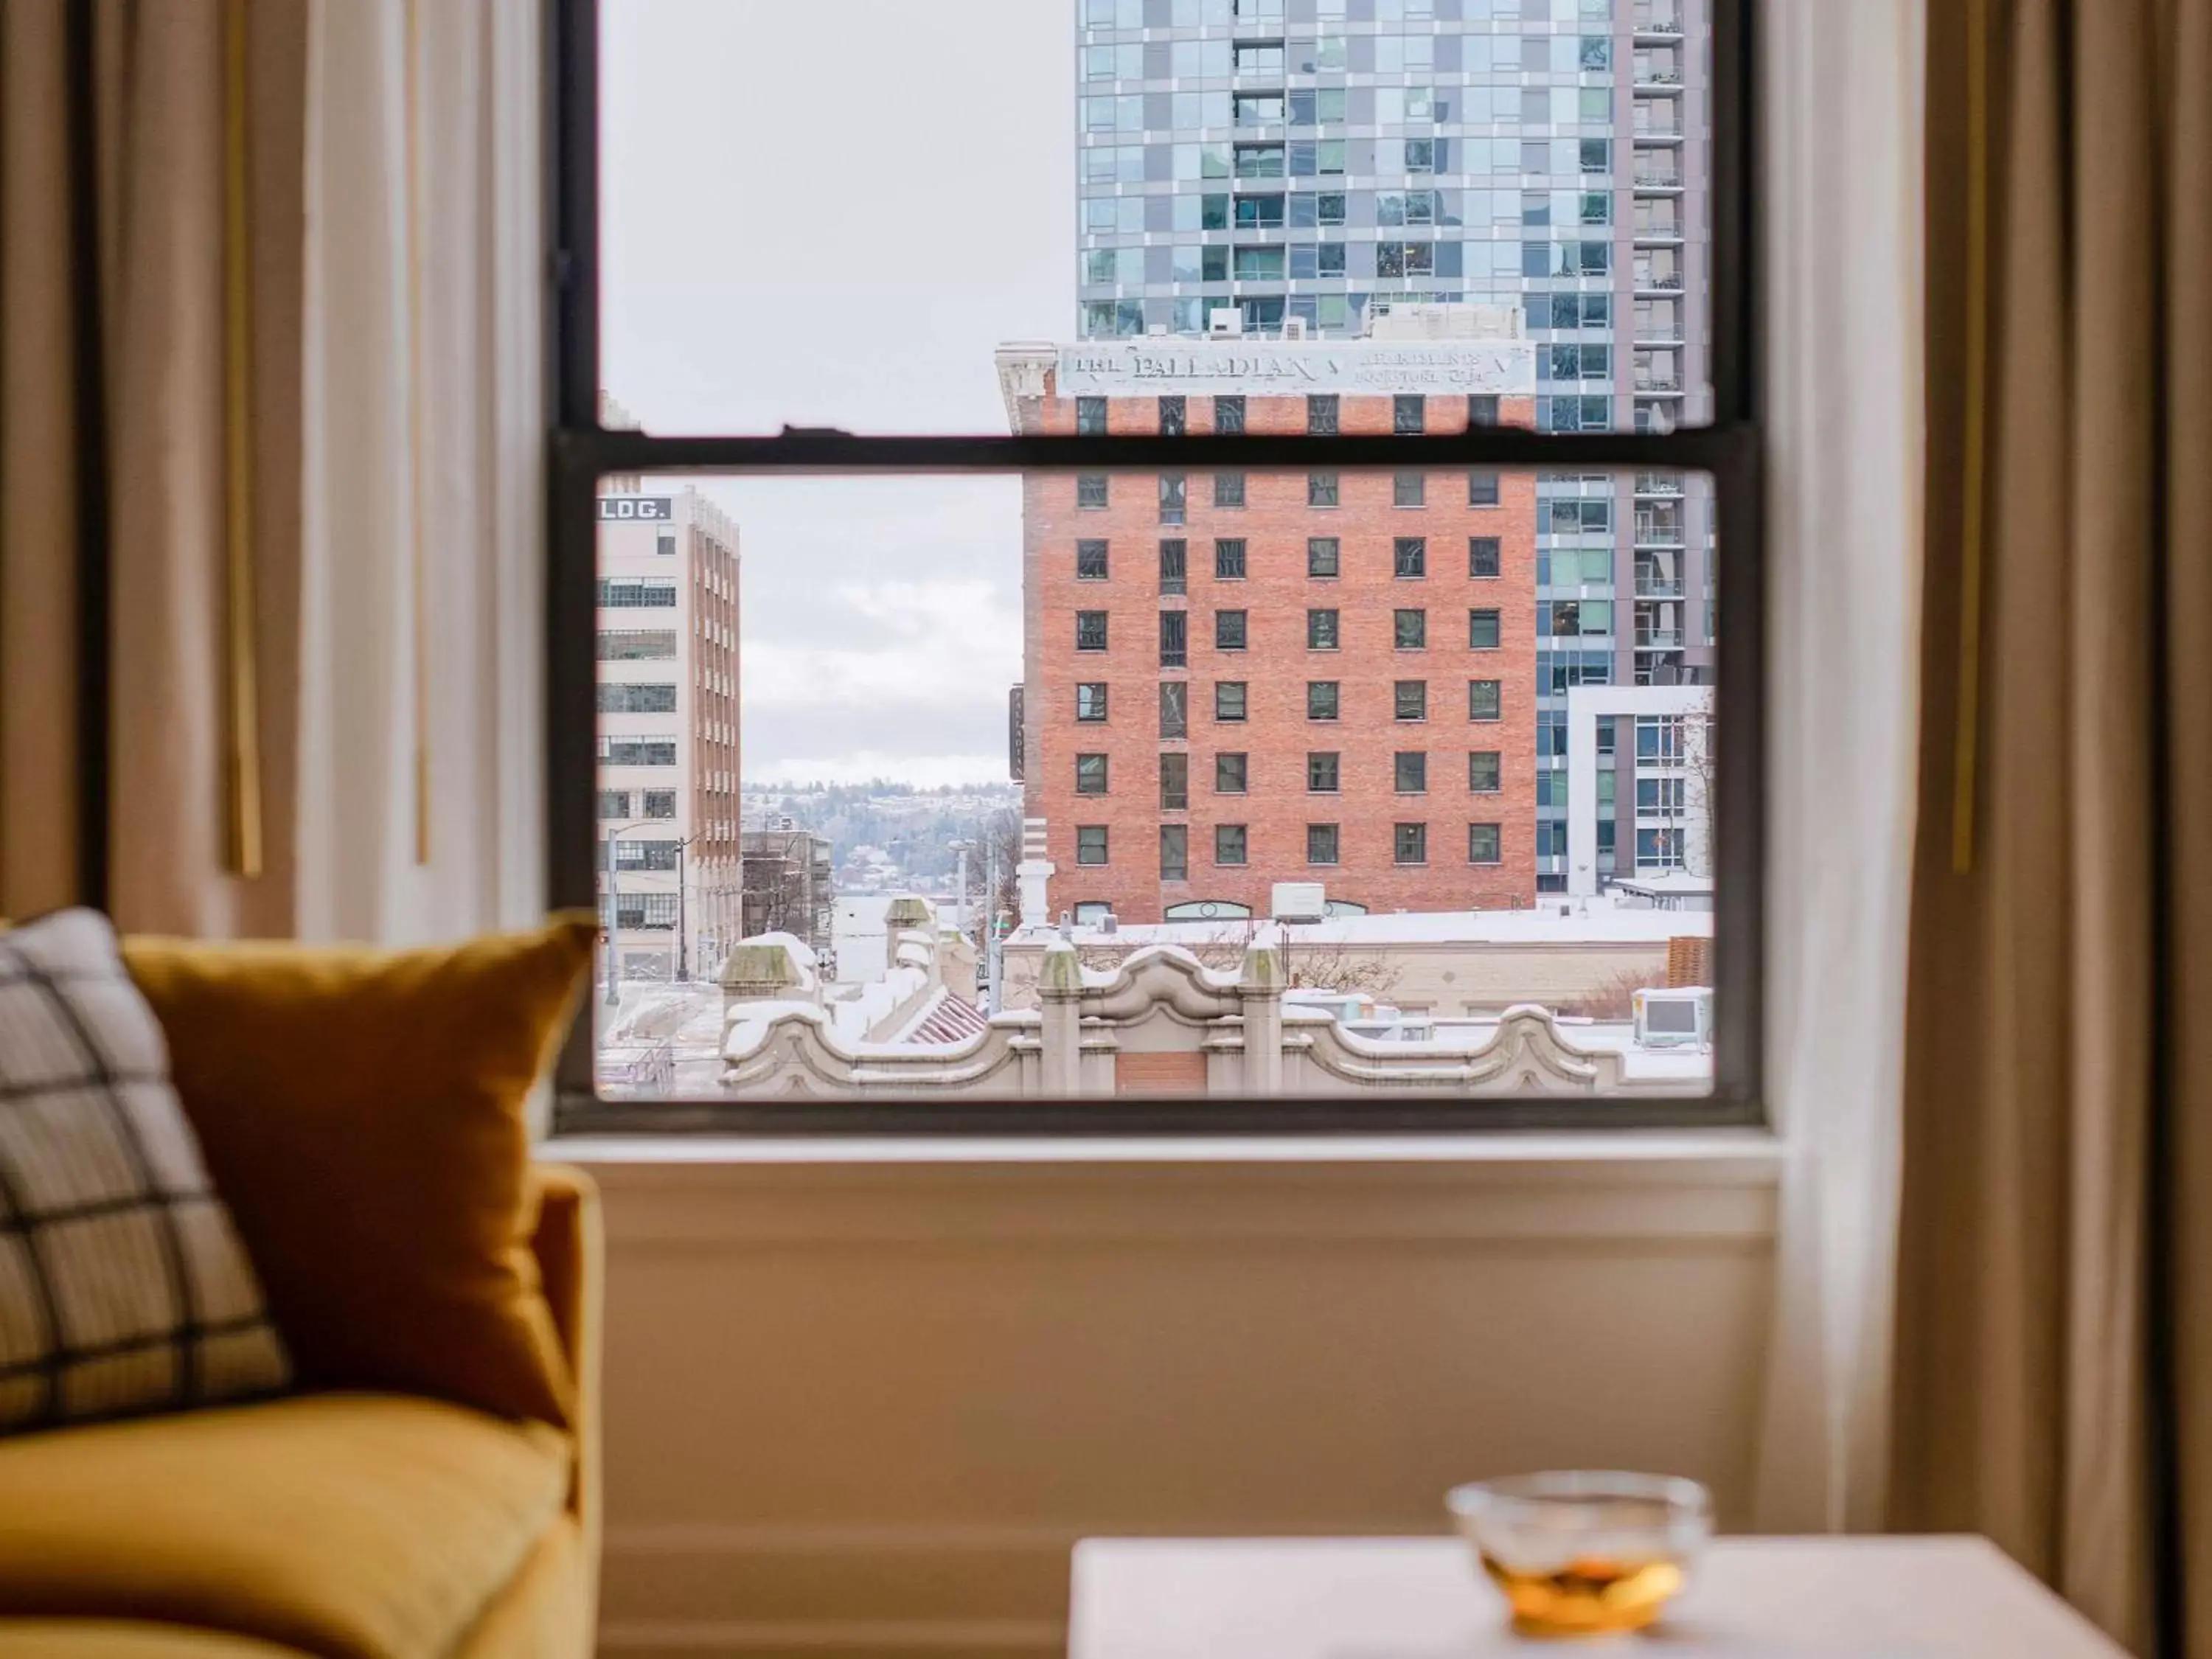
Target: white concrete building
pixel 1639 784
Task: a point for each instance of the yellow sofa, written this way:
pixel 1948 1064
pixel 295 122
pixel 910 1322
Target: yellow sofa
pixel 343 1525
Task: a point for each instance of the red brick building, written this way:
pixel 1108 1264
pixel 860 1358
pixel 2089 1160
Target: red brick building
pixel 1233 680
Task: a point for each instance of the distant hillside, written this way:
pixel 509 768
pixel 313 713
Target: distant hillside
pixel 914 827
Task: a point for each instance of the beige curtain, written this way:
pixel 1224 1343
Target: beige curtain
pixel 2053 1381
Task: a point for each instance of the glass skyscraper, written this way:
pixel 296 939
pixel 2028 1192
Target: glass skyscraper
pixel 1294 166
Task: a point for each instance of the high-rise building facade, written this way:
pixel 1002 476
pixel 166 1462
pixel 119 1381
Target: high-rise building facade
pixel 1308 164
pixel 1236 679
pixel 668 786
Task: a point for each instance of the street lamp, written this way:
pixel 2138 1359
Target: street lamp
pixel 960 883
pixel 614 905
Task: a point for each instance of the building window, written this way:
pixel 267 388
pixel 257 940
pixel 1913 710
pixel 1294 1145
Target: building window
pixel 1409 630
pixel 1175 852
pixel 1483 844
pixel 1091 701
pixel 1409 772
pixel 1229 772
pixel 1320 489
pixel 1406 411
pixel 1229 631
pixel 1174 708
pixel 1321 700
pixel 1482 555
pixel 1408 489
pixel 1229 559
pixel 1481 489
pixel 1090 418
pixel 1482 773
pixel 1173 566
pixel 1323 774
pixel 1229 490
pixel 659 804
pixel 1321 630
pixel 1175 640
pixel 1171 417
pixel 1171 497
pixel 1484 700
pixel 1090 630
pixel 1229 416
pixel 1229 843
pixel 1090 843
pixel 624 594
pixel 1091 561
pixel 1174 782
pixel 618 697
pixel 637 751
pixel 1322 555
pixel 1409 556
pixel 664 545
pixel 1410 843
pixel 1090 490
pixel 1410 700
pixel 1091 774
pixel 1482 633
pixel 660 855
pixel 638 645
pixel 1482 408
pixel 1321 844
pixel 1228 700
pixel 1320 416
pixel 614 803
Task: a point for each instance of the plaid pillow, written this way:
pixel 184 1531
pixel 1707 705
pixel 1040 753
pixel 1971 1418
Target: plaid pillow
pixel 123 1286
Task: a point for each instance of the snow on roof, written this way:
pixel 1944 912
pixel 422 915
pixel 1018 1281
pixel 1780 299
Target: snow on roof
pixel 1595 922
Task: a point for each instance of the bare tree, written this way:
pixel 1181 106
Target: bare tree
pixel 1699 753
pixel 1613 998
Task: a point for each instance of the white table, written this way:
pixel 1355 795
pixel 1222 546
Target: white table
pixel 1420 1598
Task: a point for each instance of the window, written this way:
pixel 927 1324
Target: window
pixel 1320 416
pixel 1174 782
pixel 1410 843
pixel 1174 639
pixel 1407 490
pixel 1090 490
pixel 1321 700
pixel 638 645
pixel 632 595
pixel 1409 772
pixel 1228 700
pixel 1229 490
pixel 1229 631
pixel 1410 700
pixel 1090 418
pixel 1321 844
pixel 1175 852
pixel 614 803
pixel 1322 555
pixel 1482 408
pixel 1483 700
pixel 1091 774
pixel 1091 701
pixel 1482 772
pixel 1171 417
pixel 1482 555
pixel 1090 843
pixel 1229 843
pixel 1229 559
pixel 637 751
pixel 1409 630
pixel 617 698
pixel 1483 845
pixel 1409 556
pixel 1322 774
pixel 1320 489
pixel 1481 489
pixel 659 804
pixel 1091 561
pixel 1321 630
pixel 1229 774
pixel 1482 630
pixel 1228 417
pixel 1174 708
pixel 1407 412
pixel 1174 557
pixel 1171 497
pixel 1090 630
pixel 1665 796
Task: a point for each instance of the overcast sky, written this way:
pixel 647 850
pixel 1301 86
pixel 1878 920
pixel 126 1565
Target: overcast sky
pixel 828 213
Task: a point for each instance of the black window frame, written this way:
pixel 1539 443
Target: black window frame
pixel 1729 447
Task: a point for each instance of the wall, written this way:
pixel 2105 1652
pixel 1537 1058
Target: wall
pixel 865 1407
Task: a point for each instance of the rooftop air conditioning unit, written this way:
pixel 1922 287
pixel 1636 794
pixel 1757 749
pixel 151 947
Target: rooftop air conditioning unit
pixel 1673 1018
pixel 1224 322
pixel 1294 328
pixel 1300 900
pixel 1107 924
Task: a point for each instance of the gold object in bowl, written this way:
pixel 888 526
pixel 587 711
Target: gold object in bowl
pixel 1585 1554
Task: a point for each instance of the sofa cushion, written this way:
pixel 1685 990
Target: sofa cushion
pixel 363 1113
pixel 115 1638
pixel 122 1286
pixel 349 1526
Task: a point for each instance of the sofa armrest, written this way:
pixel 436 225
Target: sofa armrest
pixel 569 1245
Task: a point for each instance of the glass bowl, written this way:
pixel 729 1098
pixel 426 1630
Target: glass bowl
pixel 1585 1554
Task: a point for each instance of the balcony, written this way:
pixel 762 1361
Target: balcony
pixel 1658 483
pixel 1658 79
pixel 1649 178
pixel 1645 231
pixel 1659 282
pixel 1658 639
pixel 1658 22
pixel 1658 386
pixel 1658 588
